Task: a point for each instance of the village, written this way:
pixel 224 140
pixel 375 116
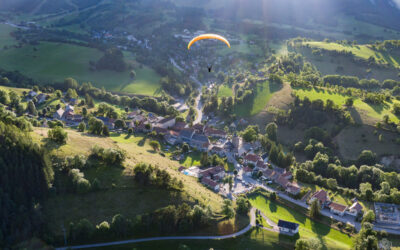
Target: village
pixel 252 168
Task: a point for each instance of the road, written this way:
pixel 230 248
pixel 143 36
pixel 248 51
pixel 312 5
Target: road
pixel 198 105
pixel 122 242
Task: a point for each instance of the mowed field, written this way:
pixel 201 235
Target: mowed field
pixel 50 62
pixel 331 238
pixel 362 51
pixel 120 193
pixel 364 113
pixel 265 91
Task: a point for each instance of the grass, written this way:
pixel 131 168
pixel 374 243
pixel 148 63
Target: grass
pixel 255 239
pixel 264 92
pixel 120 194
pixel 16 90
pixel 192 159
pixel 5 38
pixel 224 91
pixel 330 238
pixel 361 51
pixel 376 112
pixel 55 62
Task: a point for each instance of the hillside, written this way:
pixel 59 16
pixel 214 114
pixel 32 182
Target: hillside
pixel 124 194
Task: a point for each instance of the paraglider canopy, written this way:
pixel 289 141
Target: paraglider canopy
pixel 209 36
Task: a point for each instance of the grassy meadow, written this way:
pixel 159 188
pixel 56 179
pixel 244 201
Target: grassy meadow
pixel 5 38
pixel 331 238
pixel 265 91
pixel 361 51
pixel 120 193
pixel 51 62
pixel 365 113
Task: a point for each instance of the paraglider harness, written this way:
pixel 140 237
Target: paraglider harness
pixel 209 67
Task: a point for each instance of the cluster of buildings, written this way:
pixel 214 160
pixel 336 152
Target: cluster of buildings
pixel 336 208
pixel 68 115
pixel 270 173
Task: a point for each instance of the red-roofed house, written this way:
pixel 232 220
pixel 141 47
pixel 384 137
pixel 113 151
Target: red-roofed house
pixel 337 208
pixel 210 183
pixel 322 196
pixel 293 188
pixel 287 175
pixel 282 181
pixel 252 159
pixel 355 209
pixel 247 171
pixel 213 172
pixel 215 132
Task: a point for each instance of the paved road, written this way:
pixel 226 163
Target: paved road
pixel 114 243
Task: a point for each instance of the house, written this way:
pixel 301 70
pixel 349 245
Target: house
pixel 247 170
pixel 217 150
pixel 109 122
pixel 288 227
pixel 213 172
pixel 261 165
pixel 198 127
pixel 293 188
pixel 198 141
pixel 355 209
pixel 267 173
pixel 210 183
pixel 68 114
pixel 160 130
pixel 322 196
pixel 337 208
pixel 287 175
pixel 132 114
pixel 209 131
pixel 179 126
pixel 185 135
pixel 41 98
pixel 166 122
pixel 252 159
pixel 282 181
pixel 69 107
pixel 171 137
pixel 32 94
pixel 58 114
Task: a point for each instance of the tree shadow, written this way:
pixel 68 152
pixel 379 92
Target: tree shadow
pixel 319 228
pixel 142 142
pixel 273 207
pixel 355 115
pixel 127 136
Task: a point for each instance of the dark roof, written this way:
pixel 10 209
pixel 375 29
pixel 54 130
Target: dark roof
pixel 200 137
pixel 288 224
pixel 187 132
pixel 252 157
pixel 166 120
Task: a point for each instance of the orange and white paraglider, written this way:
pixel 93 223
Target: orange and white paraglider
pixel 208 36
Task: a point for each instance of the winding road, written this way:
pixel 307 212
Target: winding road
pixel 122 242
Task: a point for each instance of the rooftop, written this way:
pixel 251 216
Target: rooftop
pixel 337 207
pixel 288 224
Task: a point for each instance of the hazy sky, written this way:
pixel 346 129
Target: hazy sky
pixel 397 2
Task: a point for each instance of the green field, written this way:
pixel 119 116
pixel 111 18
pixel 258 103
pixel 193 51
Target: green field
pixel 5 38
pixel 372 111
pixel 361 51
pixel 224 91
pixel 265 90
pixel 51 62
pixel 329 237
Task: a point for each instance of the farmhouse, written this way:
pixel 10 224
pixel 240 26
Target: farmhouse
pixel 288 227
pixel 293 188
pixel 185 135
pixel 166 122
pixel 213 172
pixel 214 132
pixel 210 183
pixel 337 208
pixel 171 137
pixel 321 196
pixel 355 209
pixel 282 181
pixel 252 159
pixel 58 114
pixel 247 171
pixel 199 141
